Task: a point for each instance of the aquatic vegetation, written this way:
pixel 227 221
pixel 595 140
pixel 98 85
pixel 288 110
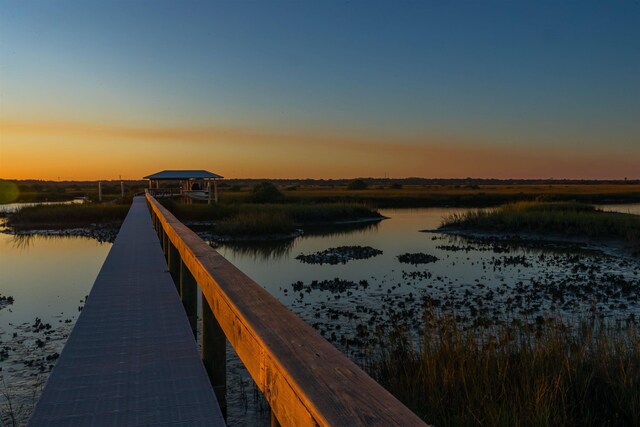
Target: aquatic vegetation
pixel 549 373
pixel 339 255
pixel 417 258
pixel 336 285
pixel 5 301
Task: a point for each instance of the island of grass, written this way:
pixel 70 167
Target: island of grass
pixel 553 219
pixel 268 219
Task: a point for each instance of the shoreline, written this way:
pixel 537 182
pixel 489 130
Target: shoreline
pixel 106 233
pixel 610 247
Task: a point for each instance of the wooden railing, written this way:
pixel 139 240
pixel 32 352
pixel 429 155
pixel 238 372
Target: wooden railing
pixel 305 379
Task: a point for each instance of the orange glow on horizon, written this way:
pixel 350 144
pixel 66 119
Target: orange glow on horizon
pixel 88 151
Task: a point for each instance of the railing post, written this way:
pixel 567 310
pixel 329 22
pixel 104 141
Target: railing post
pixel 165 238
pixel 274 420
pixel 189 296
pixel 174 264
pixel 214 354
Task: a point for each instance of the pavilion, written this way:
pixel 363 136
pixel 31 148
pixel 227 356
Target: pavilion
pixel 192 183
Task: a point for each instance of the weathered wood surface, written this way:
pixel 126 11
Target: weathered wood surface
pixel 305 379
pixel 131 359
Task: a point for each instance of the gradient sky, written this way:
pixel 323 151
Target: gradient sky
pixel 98 89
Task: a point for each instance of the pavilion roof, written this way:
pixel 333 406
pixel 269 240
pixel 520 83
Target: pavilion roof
pixel 183 174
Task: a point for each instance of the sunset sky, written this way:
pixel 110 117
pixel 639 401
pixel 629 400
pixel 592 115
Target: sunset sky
pixel 320 89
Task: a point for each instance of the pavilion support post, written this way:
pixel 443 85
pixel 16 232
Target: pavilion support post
pixel 214 354
pixel 215 189
pixel 174 265
pixel 209 192
pixel 189 296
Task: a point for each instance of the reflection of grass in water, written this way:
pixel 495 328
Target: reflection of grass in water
pixel 523 374
pixel 24 241
pixel 17 403
pixel 272 250
pixel 566 218
pixel 261 251
pixel 337 230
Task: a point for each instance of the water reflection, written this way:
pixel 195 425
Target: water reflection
pixel 260 251
pixel 341 229
pixel 274 250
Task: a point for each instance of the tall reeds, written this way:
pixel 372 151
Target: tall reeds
pixel 564 218
pixel 549 374
pixel 66 215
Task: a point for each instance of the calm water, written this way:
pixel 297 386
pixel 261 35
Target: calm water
pixel 50 277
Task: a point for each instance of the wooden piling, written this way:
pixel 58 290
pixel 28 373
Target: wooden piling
pixel 189 296
pixel 214 355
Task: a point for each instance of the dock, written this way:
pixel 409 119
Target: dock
pixel 131 359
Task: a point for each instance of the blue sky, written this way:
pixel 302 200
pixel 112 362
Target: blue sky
pixel 530 75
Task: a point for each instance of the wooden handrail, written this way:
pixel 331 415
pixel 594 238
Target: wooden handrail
pixel 305 379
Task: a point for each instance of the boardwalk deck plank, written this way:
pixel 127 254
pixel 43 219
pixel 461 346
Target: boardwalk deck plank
pixel 131 359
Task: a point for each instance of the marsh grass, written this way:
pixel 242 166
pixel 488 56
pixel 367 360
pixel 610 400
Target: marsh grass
pixel 256 224
pixel 523 374
pixel 299 213
pixel 67 215
pixel 243 219
pixel 562 218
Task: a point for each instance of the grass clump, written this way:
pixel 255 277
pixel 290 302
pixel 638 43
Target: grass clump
pixel 67 215
pixel 259 219
pixel 563 218
pixel 256 223
pixel 357 184
pixel 299 213
pixel 200 211
pixel 525 375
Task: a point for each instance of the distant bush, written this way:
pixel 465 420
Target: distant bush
pixel 357 184
pixel 395 186
pixel 8 192
pixel 266 192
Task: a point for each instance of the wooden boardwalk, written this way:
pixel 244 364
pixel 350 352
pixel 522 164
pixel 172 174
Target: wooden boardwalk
pixel 131 359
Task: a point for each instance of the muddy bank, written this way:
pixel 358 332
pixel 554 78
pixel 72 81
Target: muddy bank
pixel 507 240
